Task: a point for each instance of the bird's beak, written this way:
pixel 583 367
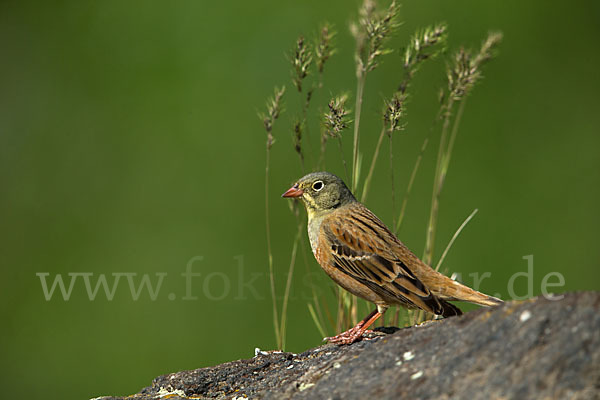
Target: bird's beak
pixel 294 191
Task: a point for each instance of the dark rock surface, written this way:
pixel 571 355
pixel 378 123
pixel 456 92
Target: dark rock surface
pixel 537 349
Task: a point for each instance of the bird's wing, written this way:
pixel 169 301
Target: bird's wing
pixel 362 247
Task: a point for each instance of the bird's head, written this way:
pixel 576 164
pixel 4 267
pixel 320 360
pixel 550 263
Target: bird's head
pixel 321 192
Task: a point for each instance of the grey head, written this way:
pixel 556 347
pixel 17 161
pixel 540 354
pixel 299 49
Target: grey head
pixel 321 192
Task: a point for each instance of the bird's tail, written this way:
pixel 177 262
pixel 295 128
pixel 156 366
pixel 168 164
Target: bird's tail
pixel 449 309
pixel 450 290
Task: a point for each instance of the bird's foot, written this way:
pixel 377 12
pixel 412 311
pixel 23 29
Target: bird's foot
pixel 350 336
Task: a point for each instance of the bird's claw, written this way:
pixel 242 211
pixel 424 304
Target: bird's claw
pixel 349 337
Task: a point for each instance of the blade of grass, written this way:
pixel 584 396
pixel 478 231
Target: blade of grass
pixel 316 320
pixel 360 86
pixel 410 185
pixel 462 74
pixel 458 231
pixel 270 253
pixel 459 114
pixel 393 186
pixel 438 181
pixel 367 183
pixel 371 32
pixel 274 109
pixel 288 286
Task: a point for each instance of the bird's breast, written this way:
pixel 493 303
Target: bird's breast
pixel 314 227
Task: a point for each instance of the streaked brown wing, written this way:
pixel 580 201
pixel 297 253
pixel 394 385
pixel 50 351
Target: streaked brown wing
pixel 362 248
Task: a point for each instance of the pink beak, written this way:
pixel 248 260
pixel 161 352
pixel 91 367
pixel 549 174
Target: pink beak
pixel 294 191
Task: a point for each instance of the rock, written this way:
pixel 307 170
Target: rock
pixel 537 349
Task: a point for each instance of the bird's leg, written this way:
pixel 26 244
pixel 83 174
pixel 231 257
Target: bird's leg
pixel 355 334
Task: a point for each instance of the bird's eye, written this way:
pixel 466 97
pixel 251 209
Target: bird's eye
pixel 317 186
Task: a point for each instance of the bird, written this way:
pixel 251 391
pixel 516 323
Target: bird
pixel 364 257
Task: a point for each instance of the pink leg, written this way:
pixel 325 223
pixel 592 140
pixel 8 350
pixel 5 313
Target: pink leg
pixel 355 334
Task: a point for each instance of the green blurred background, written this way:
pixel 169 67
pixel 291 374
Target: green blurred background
pixel 129 142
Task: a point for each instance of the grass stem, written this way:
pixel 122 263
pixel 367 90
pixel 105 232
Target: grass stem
pixel 410 185
pixel 458 231
pixel 367 183
pixel 270 253
pixel 288 285
pixel 438 183
pixel 360 87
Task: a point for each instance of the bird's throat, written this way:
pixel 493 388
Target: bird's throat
pixel 314 225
